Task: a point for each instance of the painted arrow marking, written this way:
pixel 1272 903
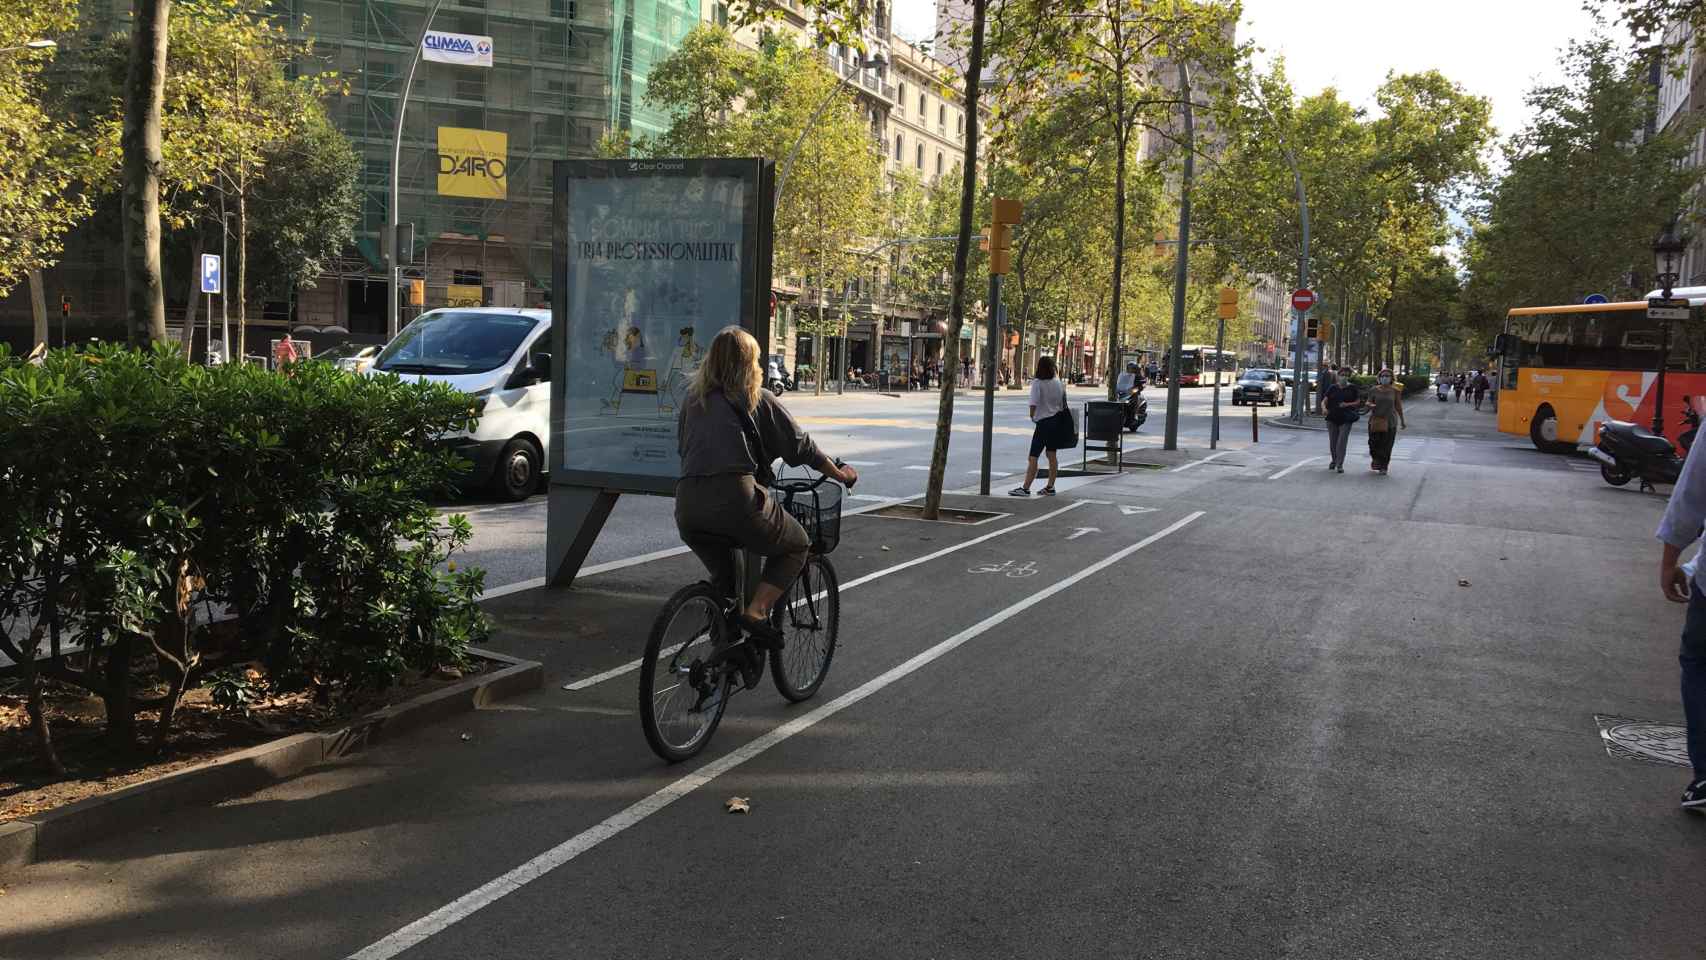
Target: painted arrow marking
pixel 1128 511
pixel 1079 532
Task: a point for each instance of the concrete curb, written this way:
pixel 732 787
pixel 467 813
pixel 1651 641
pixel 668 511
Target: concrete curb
pixel 1285 424
pixel 54 834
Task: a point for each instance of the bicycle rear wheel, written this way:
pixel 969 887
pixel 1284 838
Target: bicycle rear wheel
pixel 681 698
pixel 809 616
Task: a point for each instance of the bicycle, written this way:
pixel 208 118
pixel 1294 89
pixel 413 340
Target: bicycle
pixel 696 654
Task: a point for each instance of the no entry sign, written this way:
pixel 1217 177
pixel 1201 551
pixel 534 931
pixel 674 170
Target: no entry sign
pixel 1303 300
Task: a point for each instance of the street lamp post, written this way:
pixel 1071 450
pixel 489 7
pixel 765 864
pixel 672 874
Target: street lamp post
pixel 1668 250
pixel 1299 398
pixel 393 260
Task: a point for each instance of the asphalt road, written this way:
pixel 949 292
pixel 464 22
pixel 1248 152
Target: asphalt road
pixel 886 437
pixel 1230 707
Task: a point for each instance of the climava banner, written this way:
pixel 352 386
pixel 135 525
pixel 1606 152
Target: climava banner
pixel 460 48
pixel 653 257
pixel 473 163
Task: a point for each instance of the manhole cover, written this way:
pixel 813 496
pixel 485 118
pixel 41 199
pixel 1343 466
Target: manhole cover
pixel 1629 739
pixel 915 511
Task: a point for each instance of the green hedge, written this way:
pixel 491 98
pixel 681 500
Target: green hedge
pixel 145 493
pixel 1411 384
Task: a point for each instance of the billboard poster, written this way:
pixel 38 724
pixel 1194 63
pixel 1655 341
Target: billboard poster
pixel 654 257
pixel 460 48
pixel 473 163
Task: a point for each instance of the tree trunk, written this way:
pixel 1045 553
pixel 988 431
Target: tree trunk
pixel 242 269
pixel 962 254
pixel 38 311
pixel 1121 135
pixel 121 712
pixel 187 340
pixel 144 89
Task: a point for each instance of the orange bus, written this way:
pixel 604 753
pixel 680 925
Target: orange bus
pixel 1564 370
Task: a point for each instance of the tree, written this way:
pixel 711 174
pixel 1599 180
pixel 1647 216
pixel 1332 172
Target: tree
pixel 43 159
pixel 144 92
pixel 1582 196
pixel 232 113
pixel 1113 60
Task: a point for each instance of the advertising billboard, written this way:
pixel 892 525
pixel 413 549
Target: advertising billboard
pixel 473 163
pixel 653 257
pixel 459 48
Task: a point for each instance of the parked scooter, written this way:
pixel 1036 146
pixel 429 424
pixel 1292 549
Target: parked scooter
pixel 776 380
pixel 1136 408
pixel 1628 452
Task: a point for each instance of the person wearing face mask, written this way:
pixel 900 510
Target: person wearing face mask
pixel 1386 415
pixel 1341 401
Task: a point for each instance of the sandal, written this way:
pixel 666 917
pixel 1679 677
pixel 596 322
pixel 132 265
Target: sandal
pixel 1046 492
pixel 1018 492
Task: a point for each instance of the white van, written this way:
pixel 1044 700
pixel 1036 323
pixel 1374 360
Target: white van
pixel 499 355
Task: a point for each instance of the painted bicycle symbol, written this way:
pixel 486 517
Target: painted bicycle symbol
pixel 1007 568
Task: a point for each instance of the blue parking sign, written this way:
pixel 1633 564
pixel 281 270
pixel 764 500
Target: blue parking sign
pixel 210 279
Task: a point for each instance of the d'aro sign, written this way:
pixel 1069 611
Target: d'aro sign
pixel 473 163
pixel 462 48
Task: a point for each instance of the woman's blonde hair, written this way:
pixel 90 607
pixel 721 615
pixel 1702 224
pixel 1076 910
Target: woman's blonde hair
pixel 731 365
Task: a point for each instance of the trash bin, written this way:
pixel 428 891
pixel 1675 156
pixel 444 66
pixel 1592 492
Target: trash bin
pixel 883 381
pixel 1104 430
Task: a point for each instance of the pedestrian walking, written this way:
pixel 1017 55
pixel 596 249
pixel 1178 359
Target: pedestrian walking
pixel 1681 583
pixel 1052 428
pixel 1457 383
pixel 1341 401
pixel 1479 385
pixel 965 370
pixel 918 375
pixel 284 354
pixel 1386 415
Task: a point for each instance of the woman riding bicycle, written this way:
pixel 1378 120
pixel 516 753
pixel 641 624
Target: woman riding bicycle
pixel 730 431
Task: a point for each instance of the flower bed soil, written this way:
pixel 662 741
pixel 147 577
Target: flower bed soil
pixel 201 731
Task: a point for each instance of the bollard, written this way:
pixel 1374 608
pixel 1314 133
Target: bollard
pixel 1253 437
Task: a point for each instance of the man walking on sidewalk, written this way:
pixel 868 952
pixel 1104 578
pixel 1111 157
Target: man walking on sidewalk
pixel 1479 385
pixel 1681 584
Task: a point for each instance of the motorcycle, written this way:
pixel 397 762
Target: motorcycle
pixel 777 381
pixel 1629 452
pixel 1136 409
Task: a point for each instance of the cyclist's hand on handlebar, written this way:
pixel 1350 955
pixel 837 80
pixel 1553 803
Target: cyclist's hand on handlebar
pixel 847 475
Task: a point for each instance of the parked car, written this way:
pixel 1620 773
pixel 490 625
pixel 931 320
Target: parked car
pixel 1258 386
pixel 354 357
pixel 496 355
pixel 1314 380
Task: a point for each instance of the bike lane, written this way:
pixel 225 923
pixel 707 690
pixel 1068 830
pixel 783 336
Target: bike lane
pixel 675 848
pixel 337 858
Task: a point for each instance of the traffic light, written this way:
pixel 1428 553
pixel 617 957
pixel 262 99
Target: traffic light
pixel 1003 214
pixel 1326 331
pixel 1311 328
pixel 1000 247
pixel 1228 303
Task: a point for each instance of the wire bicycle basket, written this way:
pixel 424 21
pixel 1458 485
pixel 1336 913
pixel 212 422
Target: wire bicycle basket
pixel 816 504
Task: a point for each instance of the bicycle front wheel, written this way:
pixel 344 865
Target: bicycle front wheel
pixel 809 616
pixel 682 697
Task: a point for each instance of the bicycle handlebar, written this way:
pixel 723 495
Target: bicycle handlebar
pixel 797 484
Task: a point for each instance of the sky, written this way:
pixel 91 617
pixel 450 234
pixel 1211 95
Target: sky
pixel 1494 48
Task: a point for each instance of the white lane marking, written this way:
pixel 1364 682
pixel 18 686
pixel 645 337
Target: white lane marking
pixel 494 890
pixel 1079 532
pixel 872 497
pixel 993 473
pixel 633 665
pixel 493 593
pixel 1198 463
pixel 916 466
pixel 530 502
pixel 1301 463
pixel 863 463
pixel 1128 511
